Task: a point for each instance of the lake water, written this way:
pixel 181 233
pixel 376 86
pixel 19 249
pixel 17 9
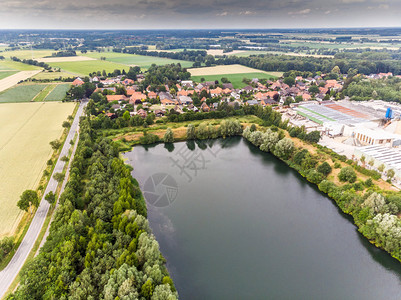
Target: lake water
pixel 236 223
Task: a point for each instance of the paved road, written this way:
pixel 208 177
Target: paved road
pixel 8 275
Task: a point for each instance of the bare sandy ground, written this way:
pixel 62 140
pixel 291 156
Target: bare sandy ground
pixel 64 59
pixel 217 70
pixel 14 79
pixel 220 52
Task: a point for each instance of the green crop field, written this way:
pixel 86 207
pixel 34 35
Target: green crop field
pixel 17 66
pixel 40 97
pixel 138 60
pixel 236 79
pixel 21 93
pixel 4 74
pixel 25 132
pixel 85 67
pixel 58 93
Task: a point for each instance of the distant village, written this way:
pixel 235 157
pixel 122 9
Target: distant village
pixel 180 97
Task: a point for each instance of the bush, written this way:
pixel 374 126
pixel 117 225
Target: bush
pixel 6 245
pixel 368 182
pixel 337 165
pixel 168 136
pixel 149 138
pixel 324 168
pixel 347 174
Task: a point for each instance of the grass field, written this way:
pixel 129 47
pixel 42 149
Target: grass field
pixel 236 79
pixel 52 75
pixel 4 74
pixel 138 60
pixel 21 93
pixel 25 132
pixel 17 66
pixel 58 93
pixel 85 67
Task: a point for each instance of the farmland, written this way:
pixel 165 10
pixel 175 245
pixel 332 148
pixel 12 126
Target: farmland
pixel 58 93
pixel 17 66
pixel 4 74
pixel 25 132
pixel 64 59
pixel 235 79
pixel 27 54
pixel 52 75
pixel 21 93
pixel 85 67
pixel 138 60
pixel 218 70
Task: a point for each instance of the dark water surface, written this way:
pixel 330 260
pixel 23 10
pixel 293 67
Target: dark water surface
pixel 243 225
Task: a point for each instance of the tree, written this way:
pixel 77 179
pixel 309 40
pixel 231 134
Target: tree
pixel 168 136
pixel 147 289
pixel 284 148
pixel 347 174
pixel 289 81
pixel 314 89
pixel 390 174
pixel 59 177
pixel 6 245
pixel 50 197
pixel 381 168
pixel 336 70
pixel 313 136
pixel 27 199
pixel 191 132
pixel 126 116
pixel 324 168
pixel 66 124
pixel 56 144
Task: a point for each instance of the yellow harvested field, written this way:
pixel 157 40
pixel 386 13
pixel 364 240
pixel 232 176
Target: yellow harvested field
pixel 25 132
pixel 229 69
pixel 64 59
pixel 12 80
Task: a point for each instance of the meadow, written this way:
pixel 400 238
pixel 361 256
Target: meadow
pixel 25 132
pixel 138 60
pixel 83 68
pixel 4 74
pixel 235 79
pixel 10 65
pixel 28 54
pixel 58 93
pixel 21 93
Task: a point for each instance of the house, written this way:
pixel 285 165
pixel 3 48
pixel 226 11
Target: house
pixel 306 97
pixel 142 113
pixel 252 102
pixel 137 98
pixel 159 113
pixel 187 83
pixel 116 106
pixel 127 81
pixel 101 90
pixel 268 101
pixel 248 89
pixel 228 86
pixel 205 107
pixel 78 82
pixel 111 98
pixel 182 93
pixel 166 101
pixel 185 100
pixel 152 95
pixel 111 115
pixel 165 95
pixel 216 92
pixel 95 79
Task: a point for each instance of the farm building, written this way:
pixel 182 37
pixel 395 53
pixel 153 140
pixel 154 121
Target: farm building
pixel 368 136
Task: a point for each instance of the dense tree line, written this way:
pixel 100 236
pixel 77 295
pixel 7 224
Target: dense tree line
pixel 168 74
pixel 189 55
pixel 285 63
pixel 31 62
pixel 100 245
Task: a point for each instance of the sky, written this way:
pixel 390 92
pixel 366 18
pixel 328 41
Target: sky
pixel 197 14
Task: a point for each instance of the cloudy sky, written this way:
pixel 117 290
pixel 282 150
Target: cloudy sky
pixel 171 14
